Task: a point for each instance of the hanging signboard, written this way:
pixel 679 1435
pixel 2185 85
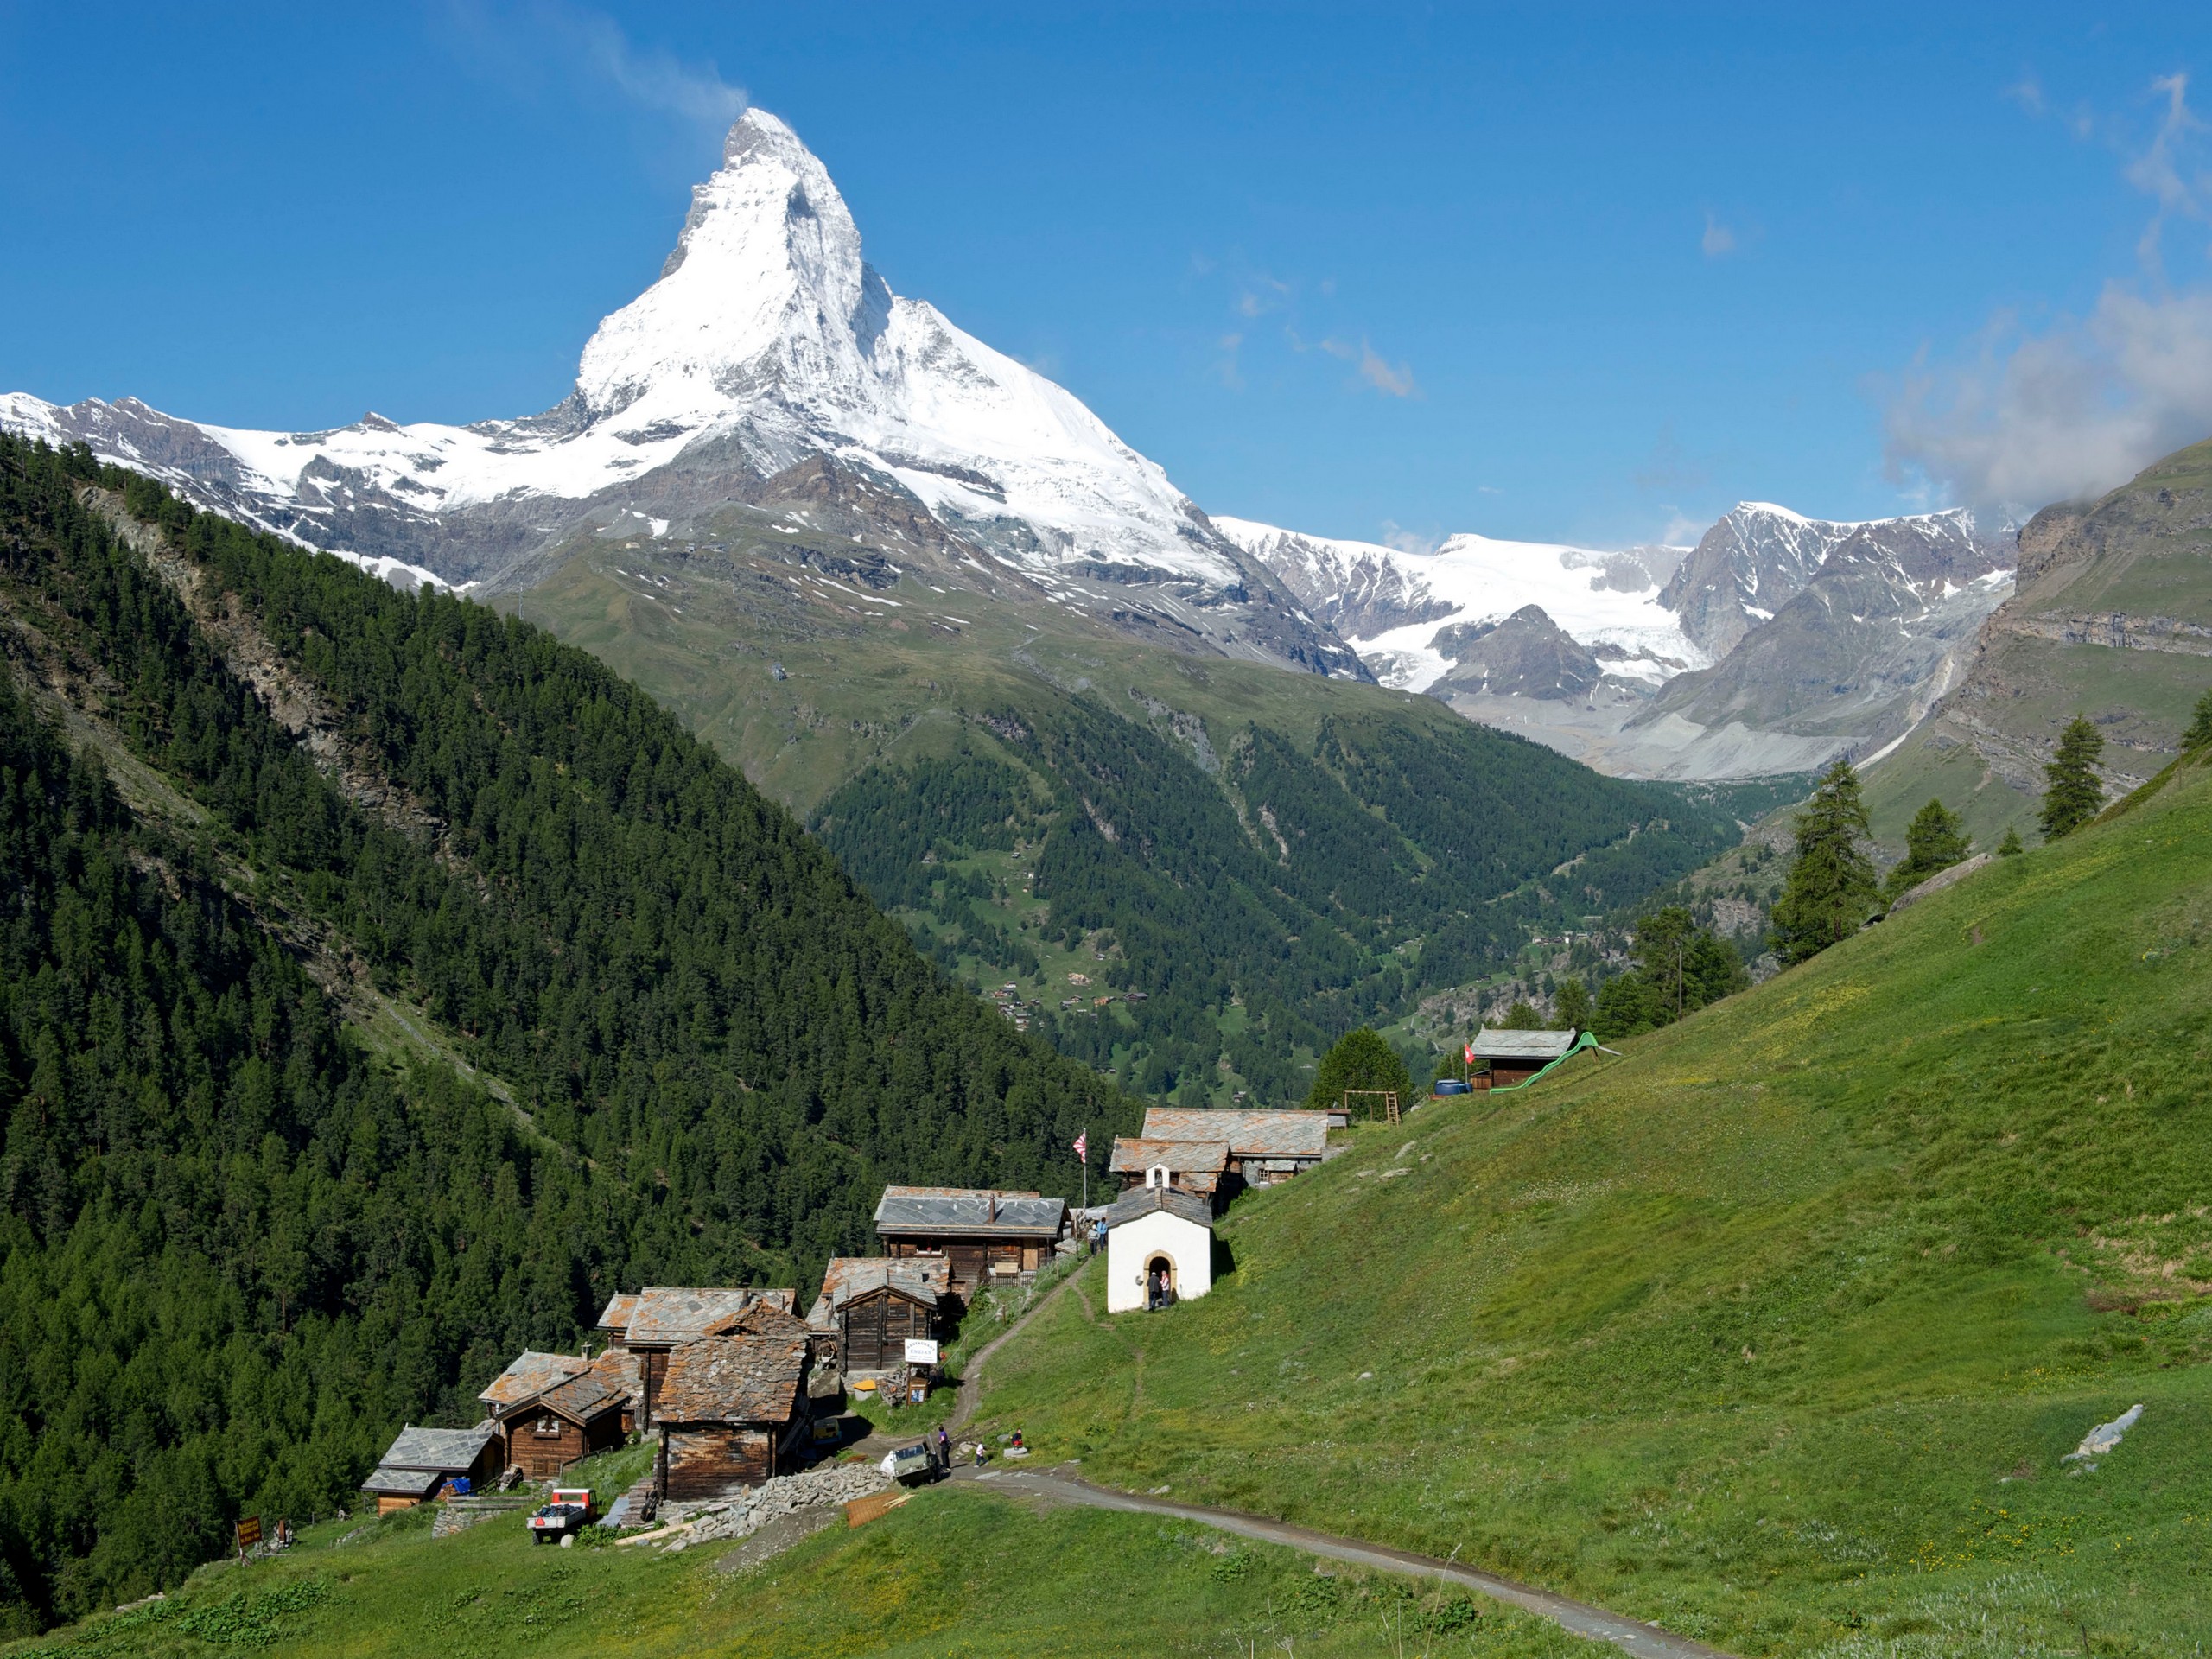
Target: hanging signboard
pixel 920 1352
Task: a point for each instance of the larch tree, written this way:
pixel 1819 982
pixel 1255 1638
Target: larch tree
pixel 1933 842
pixel 2073 792
pixel 1831 889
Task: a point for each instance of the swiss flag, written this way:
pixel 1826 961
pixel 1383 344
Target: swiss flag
pixel 1470 1054
pixel 1082 1144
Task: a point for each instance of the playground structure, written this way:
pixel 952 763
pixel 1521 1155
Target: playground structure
pixel 1389 1112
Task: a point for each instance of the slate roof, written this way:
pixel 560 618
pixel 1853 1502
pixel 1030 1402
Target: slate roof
pixel 622 1374
pixel 615 1316
pixel 530 1376
pixel 1141 1201
pixel 666 1315
pixel 403 1482
pixel 1133 1156
pixel 1541 1047
pixel 442 1450
pixel 581 1399
pixel 968 1212
pixel 925 1281
pixel 761 1319
pixel 1249 1135
pixel 733 1380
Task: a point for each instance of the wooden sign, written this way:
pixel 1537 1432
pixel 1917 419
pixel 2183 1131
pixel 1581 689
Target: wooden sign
pixel 249 1533
pixel 920 1352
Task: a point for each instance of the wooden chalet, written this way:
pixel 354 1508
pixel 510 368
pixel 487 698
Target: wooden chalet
pixel 656 1321
pixel 421 1460
pixel 1516 1056
pixel 981 1234
pixel 1198 1167
pixel 731 1411
pixel 555 1409
pixel 1264 1148
pixel 870 1306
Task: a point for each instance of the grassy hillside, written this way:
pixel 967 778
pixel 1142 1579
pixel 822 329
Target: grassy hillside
pixel 955 1571
pixel 1272 857
pixel 1776 1329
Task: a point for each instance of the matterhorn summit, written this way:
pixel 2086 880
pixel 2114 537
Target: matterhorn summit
pixel 767 344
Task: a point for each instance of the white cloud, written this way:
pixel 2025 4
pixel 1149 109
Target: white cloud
pixel 1718 241
pixel 1391 381
pixel 1410 541
pixel 2065 414
pixel 2076 407
pixel 552 32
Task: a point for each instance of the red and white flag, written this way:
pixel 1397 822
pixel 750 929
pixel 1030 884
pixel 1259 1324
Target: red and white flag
pixel 1082 1144
pixel 1470 1054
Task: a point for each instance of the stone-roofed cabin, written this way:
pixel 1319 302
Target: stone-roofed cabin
pixel 661 1319
pixel 982 1234
pixel 421 1460
pixel 1264 1148
pixel 553 1409
pixel 1516 1056
pixel 1198 1167
pixel 870 1306
pixel 732 1411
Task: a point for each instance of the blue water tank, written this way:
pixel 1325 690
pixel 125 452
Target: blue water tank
pixel 1452 1086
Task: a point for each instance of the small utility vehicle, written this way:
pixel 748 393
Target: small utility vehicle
pixel 568 1513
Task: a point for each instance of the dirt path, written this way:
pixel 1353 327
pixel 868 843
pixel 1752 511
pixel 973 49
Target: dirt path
pixel 1577 1617
pixel 971 1376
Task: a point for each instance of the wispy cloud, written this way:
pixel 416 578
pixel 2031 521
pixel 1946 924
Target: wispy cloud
pixel 1410 541
pixel 2171 173
pixel 1718 241
pixel 2026 415
pixel 1253 294
pixel 552 35
pixel 1391 380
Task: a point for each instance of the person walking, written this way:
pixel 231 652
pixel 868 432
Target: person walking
pixel 944 1449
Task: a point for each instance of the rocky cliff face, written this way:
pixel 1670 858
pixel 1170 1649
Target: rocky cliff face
pixel 767 345
pixel 2113 618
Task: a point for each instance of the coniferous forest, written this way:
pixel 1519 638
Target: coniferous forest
pixel 244 1241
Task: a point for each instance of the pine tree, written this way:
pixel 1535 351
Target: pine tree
pixel 2011 846
pixel 2074 793
pixel 1831 888
pixel 2199 728
pixel 1522 1016
pixel 1570 1005
pixel 1934 841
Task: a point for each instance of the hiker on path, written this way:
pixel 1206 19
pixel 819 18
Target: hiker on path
pixel 944 1448
pixel 1098 1234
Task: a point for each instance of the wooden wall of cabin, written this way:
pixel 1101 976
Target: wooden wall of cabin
pixel 707 1460
pixel 972 1261
pixel 876 1327
pixel 540 1456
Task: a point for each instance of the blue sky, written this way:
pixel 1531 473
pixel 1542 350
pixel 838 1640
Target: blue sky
pixel 1584 273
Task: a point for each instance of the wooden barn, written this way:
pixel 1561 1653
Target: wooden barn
pixel 553 1409
pixel 870 1306
pixel 732 1411
pixel 1264 1148
pixel 1516 1056
pixel 661 1319
pixel 982 1234
pixel 421 1460
pixel 1198 1167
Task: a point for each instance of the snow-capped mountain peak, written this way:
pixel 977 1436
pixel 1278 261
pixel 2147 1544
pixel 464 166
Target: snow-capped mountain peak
pixel 766 341
pixel 765 288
